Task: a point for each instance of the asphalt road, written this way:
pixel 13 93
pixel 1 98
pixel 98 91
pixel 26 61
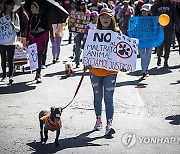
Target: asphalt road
pixel 146 119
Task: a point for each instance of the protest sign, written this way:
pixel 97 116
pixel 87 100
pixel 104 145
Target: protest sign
pixel 18 54
pixel 6 33
pixel 110 50
pixel 33 56
pixel 147 30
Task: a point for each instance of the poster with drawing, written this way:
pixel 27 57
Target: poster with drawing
pixel 33 56
pixel 110 50
pixel 6 32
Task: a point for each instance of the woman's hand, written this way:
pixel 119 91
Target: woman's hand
pixel 52 39
pixel 27 43
pixel 123 70
pixel 40 30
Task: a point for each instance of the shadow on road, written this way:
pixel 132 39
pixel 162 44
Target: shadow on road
pixel 174 119
pixel 73 142
pixel 16 88
pixel 154 71
pixel 135 83
pixel 174 83
pixel 63 75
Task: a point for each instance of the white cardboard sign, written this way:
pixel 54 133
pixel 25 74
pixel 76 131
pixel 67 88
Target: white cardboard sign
pixel 110 50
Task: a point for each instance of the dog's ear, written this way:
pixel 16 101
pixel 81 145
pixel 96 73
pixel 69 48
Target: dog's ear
pixel 52 109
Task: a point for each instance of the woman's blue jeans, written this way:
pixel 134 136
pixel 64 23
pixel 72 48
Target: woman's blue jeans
pixel 103 86
pixel 145 54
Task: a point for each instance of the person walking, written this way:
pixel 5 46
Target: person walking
pixel 78 20
pixel 37 34
pixel 56 38
pixel 72 8
pixel 166 7
pixel 145 53
pixel 104 81
pixel 125 13
pixel 178 32
pixel 93 24
pixel 7 47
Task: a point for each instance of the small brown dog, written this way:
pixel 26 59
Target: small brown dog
pixel 50 120
pixel 68 68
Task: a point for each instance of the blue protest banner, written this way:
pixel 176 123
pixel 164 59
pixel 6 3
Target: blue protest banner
pixel 147 30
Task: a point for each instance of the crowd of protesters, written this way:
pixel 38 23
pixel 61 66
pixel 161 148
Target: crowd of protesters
pixel 81 14
pixel 84 15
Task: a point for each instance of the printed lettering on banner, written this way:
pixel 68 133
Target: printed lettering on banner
pixel 147 29
pixel 110 50
pixel 6 32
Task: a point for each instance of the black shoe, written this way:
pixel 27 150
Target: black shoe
pixel 54 61
pixel 57 60
pixel 77 65
pixel 166 64
pixel 10 81
pixel 159 61
pixel 38 80
pixel 143 75
pixel 37 76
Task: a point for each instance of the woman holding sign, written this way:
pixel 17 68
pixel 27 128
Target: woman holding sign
pixel 10 25
pixel 104 81
pixel 38 29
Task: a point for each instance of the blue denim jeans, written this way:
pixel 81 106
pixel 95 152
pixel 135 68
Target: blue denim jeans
pixel 103 86
pixel 145 54
pixel 78 38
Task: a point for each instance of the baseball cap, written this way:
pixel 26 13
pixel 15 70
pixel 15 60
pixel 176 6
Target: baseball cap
pixel 106 11
pixel 146 7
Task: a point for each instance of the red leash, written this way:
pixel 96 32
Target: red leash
pixel 77 89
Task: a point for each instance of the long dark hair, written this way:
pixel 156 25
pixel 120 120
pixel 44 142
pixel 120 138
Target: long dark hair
pixel 8 2
pixel 78 8
pixel 112 26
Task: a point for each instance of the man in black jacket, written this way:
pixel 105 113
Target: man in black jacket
pixel 166 7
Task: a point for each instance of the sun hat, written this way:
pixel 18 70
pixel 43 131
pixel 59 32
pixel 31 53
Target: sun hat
pixel 146 7
pixel 106 11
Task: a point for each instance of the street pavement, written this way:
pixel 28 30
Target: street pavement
pixel 146 118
